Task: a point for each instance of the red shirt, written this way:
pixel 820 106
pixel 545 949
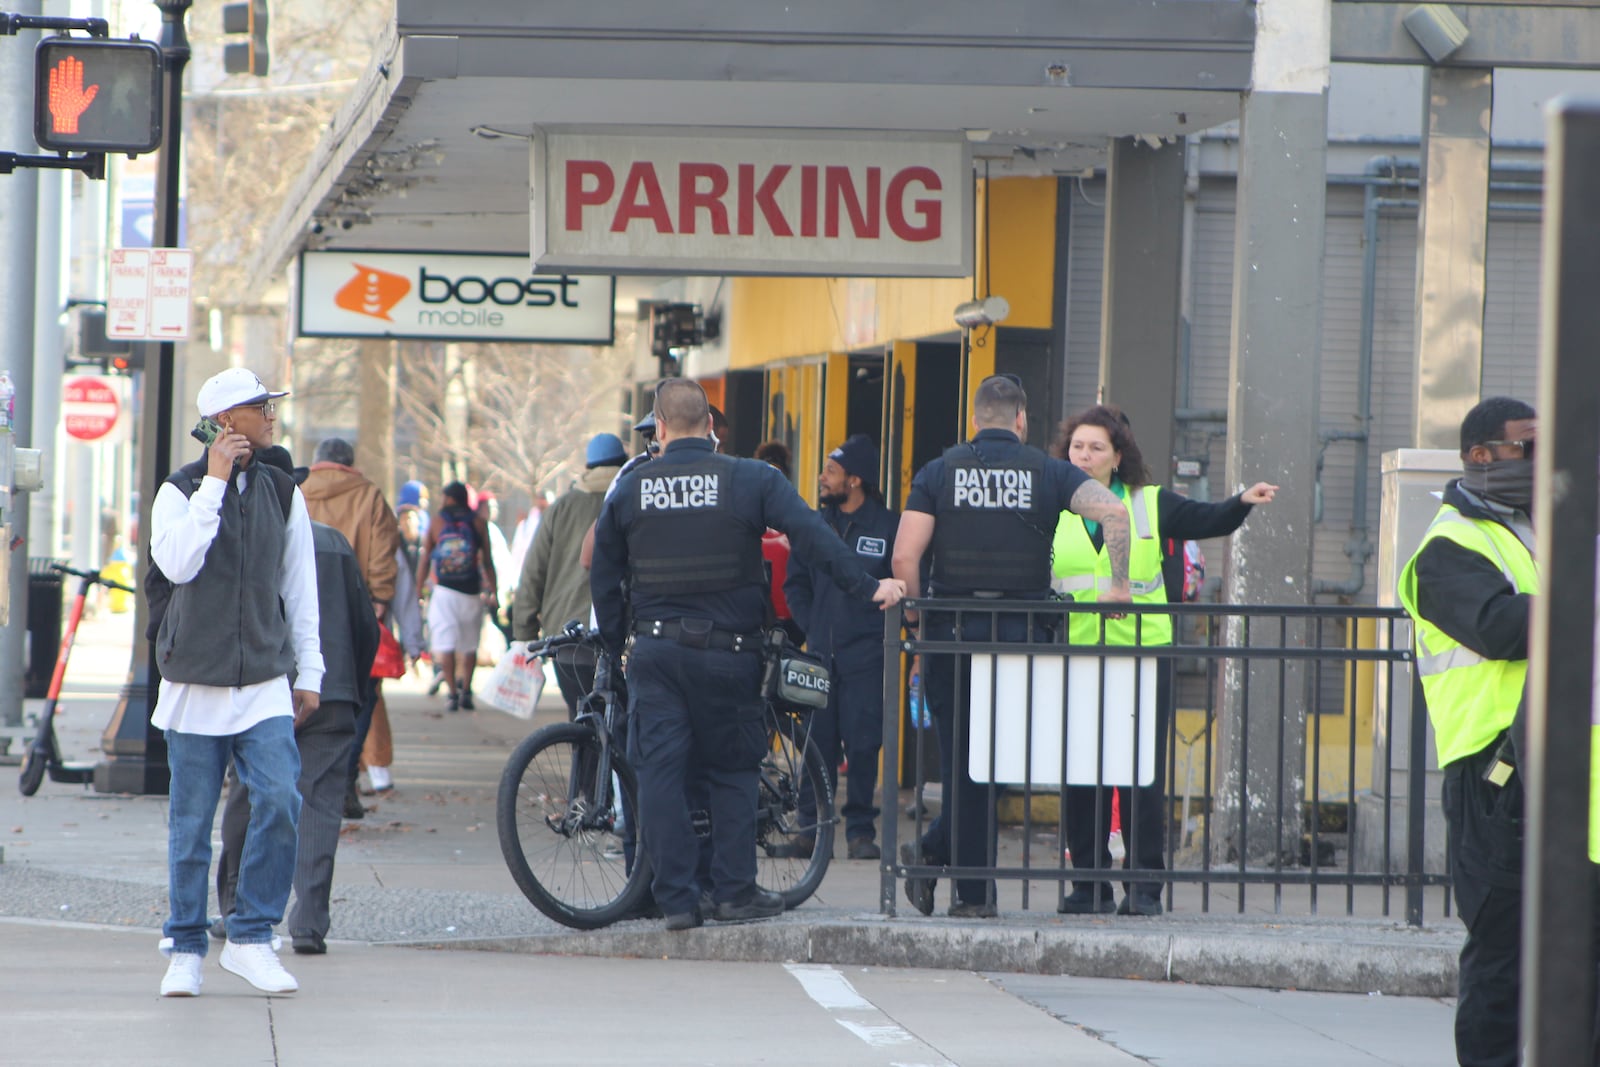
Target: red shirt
pixel 775 550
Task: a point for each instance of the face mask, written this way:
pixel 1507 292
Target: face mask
pixel 1504 481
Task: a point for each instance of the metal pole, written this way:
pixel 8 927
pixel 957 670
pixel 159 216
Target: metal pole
pixel 19 222
pixel 1558 963
pixel 136 753
pixel 50 348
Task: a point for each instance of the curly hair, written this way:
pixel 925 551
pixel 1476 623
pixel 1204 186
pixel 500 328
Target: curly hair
pixel 1110 419
pixel 776 453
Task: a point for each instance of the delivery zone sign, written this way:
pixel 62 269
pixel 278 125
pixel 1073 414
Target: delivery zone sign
pixel 722 201
pixel 450 296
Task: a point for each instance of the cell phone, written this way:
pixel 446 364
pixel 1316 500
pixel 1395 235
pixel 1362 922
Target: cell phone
pixel 206 431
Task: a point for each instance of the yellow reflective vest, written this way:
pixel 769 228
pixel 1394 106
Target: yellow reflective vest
pixel 1471 699
pixel 1082 572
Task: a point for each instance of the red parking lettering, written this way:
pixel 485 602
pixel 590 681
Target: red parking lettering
pixel 642 178
pixel 838 186
pixel 751 196
pixel 930 211
pixel 578 198
pixel 692 199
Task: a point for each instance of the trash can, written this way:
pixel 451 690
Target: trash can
pixel 44 625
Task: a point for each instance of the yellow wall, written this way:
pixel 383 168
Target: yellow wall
pixel 781 318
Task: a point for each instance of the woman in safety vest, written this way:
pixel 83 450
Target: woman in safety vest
pixel 1100 442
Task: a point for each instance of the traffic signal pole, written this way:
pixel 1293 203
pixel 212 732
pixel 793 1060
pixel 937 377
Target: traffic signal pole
pixel 19 231
pixel 136 752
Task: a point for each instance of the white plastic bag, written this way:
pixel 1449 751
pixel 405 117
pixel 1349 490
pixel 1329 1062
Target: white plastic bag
pixel 516 682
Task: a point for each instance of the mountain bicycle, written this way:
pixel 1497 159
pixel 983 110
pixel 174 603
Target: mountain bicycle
pixel 568 797
pixel 44 753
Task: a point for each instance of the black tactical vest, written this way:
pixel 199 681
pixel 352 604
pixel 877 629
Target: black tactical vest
pixel 994 526
pixel 684 536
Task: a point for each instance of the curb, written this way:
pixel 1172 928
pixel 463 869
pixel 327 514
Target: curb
pixel 1386 959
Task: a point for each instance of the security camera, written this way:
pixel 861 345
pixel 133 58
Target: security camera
pixel 985 312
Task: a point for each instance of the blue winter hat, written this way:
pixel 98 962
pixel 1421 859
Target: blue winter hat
pixel 605 450
pixel 410 495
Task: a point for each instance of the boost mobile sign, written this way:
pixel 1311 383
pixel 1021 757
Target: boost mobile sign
pixel 448 296
pixel 728 202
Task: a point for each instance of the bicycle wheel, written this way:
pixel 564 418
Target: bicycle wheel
pixel 783 829
pixel 561 831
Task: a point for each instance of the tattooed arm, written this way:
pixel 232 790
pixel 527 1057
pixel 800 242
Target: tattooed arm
pixel 1095 502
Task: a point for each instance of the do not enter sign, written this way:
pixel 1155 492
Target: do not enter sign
pixel 89 408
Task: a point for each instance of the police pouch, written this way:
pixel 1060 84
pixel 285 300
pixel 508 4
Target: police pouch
pixel 794 679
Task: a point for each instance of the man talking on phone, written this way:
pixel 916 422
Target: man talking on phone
pixel 234 538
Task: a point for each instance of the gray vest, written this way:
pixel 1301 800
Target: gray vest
pixel 226 626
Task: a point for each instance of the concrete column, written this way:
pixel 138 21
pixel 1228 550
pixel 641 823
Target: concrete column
pixel 375 415
pixel 1452 246
pixel 1139 304
pixel 19 218
pixel 1272 420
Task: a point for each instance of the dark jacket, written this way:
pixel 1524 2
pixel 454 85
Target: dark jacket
pixel 348 625
pixel 838 625
pixel 760 497
pixel 1464 594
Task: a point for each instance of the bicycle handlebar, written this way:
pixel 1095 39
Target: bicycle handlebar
pixel 573 636
pixel 92 576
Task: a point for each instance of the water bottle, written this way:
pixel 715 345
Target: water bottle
pixel 8 401
pixel 919 705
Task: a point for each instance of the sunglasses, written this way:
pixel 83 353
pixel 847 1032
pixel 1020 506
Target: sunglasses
pixel 1525 446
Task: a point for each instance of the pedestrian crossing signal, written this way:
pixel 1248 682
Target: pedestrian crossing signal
pixel 97 95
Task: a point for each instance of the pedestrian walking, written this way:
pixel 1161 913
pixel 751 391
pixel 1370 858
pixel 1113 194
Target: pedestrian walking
pixel 242 615
pixel 455 552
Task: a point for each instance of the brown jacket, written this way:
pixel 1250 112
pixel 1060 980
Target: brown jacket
pixel 343 498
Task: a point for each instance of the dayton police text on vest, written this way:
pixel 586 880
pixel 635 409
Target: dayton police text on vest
pixel 993 488
pixel 679 491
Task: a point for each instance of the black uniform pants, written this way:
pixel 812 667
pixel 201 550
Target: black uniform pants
pixel 964 833
pixel 1144 811
pixel 575 676
pixel 1485 825
pixel 852 723
pixel 696 716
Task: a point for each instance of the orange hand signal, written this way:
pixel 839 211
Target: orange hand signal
pixel 68 98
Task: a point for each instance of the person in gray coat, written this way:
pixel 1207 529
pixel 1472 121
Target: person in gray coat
pixel 349 633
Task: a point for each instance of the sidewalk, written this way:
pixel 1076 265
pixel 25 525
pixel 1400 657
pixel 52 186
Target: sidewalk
pixel 424 868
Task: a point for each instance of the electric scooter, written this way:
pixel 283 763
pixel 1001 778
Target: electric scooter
pixel 43 754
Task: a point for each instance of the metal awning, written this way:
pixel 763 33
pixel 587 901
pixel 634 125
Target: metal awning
pixel 430 152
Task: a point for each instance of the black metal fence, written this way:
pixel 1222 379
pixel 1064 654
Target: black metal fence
pixel 1263 749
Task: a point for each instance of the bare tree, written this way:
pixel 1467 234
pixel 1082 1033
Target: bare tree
pixel 513 418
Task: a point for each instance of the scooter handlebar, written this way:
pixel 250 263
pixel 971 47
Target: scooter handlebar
pixel 92 576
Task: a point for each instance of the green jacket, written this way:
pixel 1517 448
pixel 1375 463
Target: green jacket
pixel 554 587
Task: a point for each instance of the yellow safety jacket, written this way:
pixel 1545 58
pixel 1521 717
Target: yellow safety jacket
pixel 1082 572
pixel 1471 699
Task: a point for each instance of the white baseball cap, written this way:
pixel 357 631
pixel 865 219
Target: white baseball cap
pixel 232 388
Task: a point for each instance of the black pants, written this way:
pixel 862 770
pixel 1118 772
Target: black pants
pixel 965 832
pixel 697 724
pixel 1144 811
pixel 1485 823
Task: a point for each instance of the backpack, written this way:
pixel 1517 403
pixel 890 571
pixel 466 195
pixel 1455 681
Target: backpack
pixel 157 586
pixel 455 552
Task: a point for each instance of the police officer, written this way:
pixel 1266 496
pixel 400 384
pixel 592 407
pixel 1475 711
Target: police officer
pixel 849 634
pixel 685 530
pixel 1469 589
pixel 988 509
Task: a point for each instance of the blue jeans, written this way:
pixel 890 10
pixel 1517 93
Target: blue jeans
pixel 269 765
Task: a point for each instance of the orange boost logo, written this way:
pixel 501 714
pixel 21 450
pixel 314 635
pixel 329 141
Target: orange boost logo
pixel 372 292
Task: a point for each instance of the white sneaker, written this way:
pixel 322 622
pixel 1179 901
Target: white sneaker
pixel 380 779
pixel 183 975
pixel 258 965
